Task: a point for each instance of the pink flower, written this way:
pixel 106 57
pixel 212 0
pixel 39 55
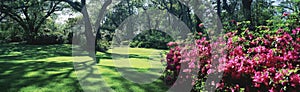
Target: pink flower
pixel 251 36
pixel 209 71
pixel 241 39
pixel 187 70
pixel 294 32
pixel 278 77
pixel 294 80
pixel 298 28
pixel 229 41
pixel 178 67
pixel 199 33
pixel 170 55
pixel 191 65
pixel 285 72
pixel 268 65
pixel 278 39
pixel 250 50
pixel 220 85
pixel 198 41
pixel 280 30
pixel 237 86
pixel 257 49
pixel 256 85
pixel 176 60
pixel 171 44
pixel 201 25
pixel 298 40
pixel 273 90
pixel 285 14
pixel 267 42
pixel 260 77
pixel 272 70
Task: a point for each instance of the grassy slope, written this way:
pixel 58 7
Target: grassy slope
pixel 50 68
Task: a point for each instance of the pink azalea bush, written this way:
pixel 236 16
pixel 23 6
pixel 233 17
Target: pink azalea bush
pixel 263 60
pixel 173 65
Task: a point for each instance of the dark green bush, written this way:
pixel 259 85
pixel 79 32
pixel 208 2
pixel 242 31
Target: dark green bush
pixel 151 39
pixel 102 45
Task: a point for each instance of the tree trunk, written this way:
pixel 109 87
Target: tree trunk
pixel 247 9
pixel 219 8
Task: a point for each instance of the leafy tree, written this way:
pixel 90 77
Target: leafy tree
pixel 10 31
pixel 262 11
pixel 30 14
pixel 89 30
pixel 290 5
pixel 151 39
pixel 178 9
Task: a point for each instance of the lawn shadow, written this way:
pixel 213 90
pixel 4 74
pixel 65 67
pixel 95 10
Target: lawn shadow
pixel 38 74
pixel 10 52
pixel 108 55
pixel 129 86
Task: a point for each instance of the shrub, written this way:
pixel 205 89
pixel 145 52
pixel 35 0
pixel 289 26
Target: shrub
pixel 151 39
pixel 44 39
pixel 261 60
pixel 102 45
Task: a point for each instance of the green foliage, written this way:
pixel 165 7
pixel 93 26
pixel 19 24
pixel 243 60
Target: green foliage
pixel 102 45
pixel 291 21
pixel 151 39
pixel 10 32
pixel 52 33
pixel 30 14
pixel 262 11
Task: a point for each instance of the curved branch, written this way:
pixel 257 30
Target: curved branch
pixel 51 11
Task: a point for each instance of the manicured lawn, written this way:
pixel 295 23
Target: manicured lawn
pixel 140 60
pixel 33 68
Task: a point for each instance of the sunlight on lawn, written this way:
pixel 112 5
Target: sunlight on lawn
pixel 139 59
pixel 50 68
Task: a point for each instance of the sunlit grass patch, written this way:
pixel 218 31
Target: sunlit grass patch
pixel 34 68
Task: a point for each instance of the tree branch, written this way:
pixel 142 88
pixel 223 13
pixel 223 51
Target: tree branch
pixel 75 5
pixel 52 10
pixel 102 13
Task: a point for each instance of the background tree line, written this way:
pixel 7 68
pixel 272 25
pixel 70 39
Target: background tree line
pixel 33 21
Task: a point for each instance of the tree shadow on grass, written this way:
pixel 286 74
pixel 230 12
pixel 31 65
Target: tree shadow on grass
pixel 125 85
pixel 108 55
pixel 34 75
pixel 50 76
pixel 10 52
pixel 115 81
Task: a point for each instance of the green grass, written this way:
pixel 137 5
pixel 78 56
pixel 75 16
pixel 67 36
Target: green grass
pixel 44 68
pixel 140 60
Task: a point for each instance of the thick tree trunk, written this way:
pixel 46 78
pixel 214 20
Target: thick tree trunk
pixel 247 9
pixel 219 8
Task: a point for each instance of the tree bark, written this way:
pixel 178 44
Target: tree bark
pixel 219 8
pixel 247 9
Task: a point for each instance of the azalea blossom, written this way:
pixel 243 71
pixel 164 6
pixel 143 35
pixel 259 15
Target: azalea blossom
pixel 266 62
pixel 285 14
pixel 201 25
